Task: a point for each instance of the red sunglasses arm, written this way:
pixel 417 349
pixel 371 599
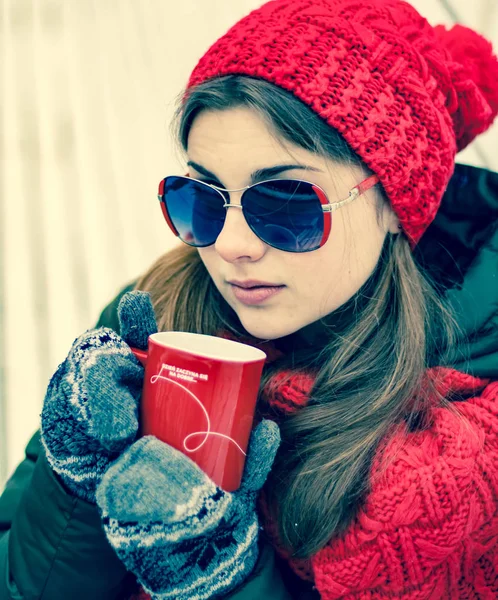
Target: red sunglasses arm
pixel 366 184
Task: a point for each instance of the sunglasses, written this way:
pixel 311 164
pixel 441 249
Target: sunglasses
pixel 287 214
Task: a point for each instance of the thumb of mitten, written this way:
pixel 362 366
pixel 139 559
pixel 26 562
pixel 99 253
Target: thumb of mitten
pixel 136 318
pixel 263 446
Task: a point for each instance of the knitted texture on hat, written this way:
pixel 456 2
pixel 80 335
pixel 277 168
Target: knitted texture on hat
pixel 404 95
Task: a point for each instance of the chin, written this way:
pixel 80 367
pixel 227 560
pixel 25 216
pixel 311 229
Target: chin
pixel 267 331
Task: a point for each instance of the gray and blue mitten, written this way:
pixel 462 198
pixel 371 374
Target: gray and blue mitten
pixel 180 534
pixel 90 412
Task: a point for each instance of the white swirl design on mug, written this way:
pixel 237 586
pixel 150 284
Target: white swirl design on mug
pixel 153 380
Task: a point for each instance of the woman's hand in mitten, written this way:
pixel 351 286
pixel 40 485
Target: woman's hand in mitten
pixel 90 412
pixel 181 535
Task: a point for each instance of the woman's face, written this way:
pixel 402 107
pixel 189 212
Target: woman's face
pixel 231 145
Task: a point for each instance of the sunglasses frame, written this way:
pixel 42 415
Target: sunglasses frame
pixel 327 207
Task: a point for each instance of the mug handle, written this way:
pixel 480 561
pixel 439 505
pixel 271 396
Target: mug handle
pixel 142 355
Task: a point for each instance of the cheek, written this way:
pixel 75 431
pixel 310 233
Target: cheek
pixel 313 284
pixel 321 281
pixel 333 274
pixel 211 261
pixel 208 257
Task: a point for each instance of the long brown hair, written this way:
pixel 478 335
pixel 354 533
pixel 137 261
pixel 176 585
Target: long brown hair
pixel 369 374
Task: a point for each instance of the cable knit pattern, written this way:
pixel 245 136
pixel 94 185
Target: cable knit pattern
pixel 429 527
pixel 379 74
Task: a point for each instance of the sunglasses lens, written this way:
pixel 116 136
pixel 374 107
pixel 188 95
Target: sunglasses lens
pixel 286 214
pixel 195 209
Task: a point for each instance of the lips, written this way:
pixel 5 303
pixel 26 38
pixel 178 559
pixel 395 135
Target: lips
pixel 256 294
pixel 255 287
pixel 253 283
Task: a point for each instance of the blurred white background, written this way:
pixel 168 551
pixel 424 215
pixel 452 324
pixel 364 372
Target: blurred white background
pixel 86 97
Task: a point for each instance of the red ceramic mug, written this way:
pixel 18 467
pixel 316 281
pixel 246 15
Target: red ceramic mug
pixel 199 396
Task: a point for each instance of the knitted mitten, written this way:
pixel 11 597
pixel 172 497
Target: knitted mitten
pixel 181 535
pixel 91 407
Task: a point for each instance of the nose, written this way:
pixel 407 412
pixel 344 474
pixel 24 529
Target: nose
pixel 236 240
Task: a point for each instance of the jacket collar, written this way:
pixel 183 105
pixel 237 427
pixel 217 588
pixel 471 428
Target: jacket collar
pixel 460 252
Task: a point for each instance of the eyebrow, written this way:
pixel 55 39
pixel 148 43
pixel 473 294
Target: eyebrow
pixel 259 174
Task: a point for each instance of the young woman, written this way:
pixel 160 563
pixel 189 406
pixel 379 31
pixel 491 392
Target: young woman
pixel 322 219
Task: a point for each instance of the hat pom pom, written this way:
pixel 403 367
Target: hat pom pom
pixel 474 73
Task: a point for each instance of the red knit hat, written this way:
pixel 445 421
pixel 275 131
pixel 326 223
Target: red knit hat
pixel 406 96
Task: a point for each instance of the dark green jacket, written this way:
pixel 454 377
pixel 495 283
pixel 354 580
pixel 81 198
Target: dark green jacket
pixel 52 545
